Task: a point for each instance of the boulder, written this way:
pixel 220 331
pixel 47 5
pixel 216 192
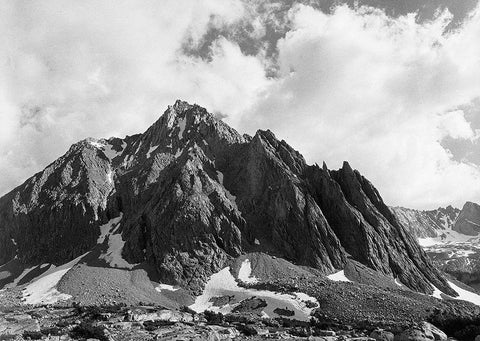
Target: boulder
pixel 437 333
pixel 250 304
pixel 224 333
pixel 321 338
pixel 14 326
pixel 415 333
pixel 326 333
pixel 382 335
pixel 141 315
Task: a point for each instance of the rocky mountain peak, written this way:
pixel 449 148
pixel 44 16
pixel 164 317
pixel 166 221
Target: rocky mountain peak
pixel 347 168
pixel 193 194
pixel 468 221
pixel 182 124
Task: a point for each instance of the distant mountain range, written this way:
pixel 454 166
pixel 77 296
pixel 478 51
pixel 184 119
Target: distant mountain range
pixel 450 236
pixel 425 224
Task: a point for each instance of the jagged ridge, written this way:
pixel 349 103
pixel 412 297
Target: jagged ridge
pixel 427 224
pixel 195 193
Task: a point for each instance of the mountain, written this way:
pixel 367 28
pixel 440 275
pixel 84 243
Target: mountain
pixel 186 198
pixel 450 238
pixel 468 221
pixel 427 224
pixel 434 223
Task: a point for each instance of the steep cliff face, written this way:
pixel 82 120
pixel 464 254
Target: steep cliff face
pixel 195 194
pixel 427 224
pixel 468 221
pixel 53 216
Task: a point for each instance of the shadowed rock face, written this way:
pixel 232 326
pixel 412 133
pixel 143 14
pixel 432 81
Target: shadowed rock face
pixel 195 193
pixel 468 221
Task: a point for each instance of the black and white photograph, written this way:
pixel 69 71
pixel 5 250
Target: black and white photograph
pixel 192 170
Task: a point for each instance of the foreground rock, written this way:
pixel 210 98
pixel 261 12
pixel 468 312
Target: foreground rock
pixel 421 332
pixel 155 323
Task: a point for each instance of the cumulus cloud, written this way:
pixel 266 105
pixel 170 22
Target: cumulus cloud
pixel 352 85
pixel 381 93
pixel 89 68
pixel 454 125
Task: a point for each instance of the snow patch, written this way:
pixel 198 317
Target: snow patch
pixel 426 242
pixel 464 253
pixel 108 227
pixel 96 144
pixel 397 282
pixel 339 277
pixel 178 153
pixel 437 293
pixel 110 176
pixel 168 287
pixel 151 150
pixel 110 153
pixel 451 238
pixel 128 160
pixel 138 148
pixel 223 283
pixel 109 233
pixel 220 177
pixel 43 290
pixel 465 295
pixel 245 272
pixel 181 123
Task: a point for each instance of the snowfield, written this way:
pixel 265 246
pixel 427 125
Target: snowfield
pixel 465 295
pixel 339 277
pixel 43 289
pixel 454 246
pixel 224 284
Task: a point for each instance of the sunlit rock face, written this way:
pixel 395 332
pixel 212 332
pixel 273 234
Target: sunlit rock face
pixel 194 194
pixel 429 223
pixel 450 238
pixel 468 221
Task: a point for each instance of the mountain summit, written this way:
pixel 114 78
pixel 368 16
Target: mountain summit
pixel 191 194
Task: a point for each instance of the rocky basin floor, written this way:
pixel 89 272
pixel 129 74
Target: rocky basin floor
pixel 156 323
pixel 346 311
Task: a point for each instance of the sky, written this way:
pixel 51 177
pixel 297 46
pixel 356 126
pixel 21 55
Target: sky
pixel 391 86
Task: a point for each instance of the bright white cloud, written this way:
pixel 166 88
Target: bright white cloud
pixel 381 93
pixel 106 68
pixel 454 125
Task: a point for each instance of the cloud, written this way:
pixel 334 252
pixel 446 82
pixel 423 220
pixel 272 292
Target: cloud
pixel 381 93
pixel 352 85
pixel 106 68
pixel 454 125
